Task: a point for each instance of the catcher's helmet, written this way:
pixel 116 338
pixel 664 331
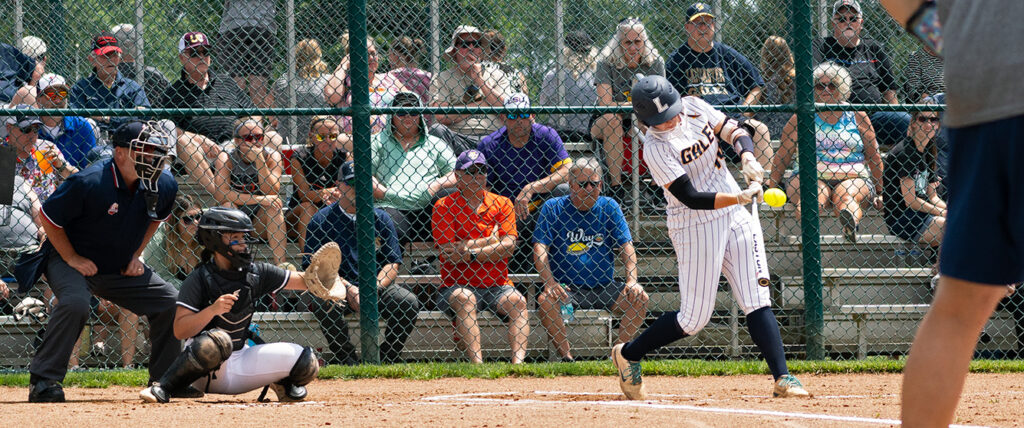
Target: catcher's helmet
pixel 655 101
pixel 216 221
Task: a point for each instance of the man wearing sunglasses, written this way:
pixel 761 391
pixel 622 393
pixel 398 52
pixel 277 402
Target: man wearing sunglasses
pixel 414 170
pixel 73 135
pixel 874 80
pixel 107 87
pixel 397 305
pixel 528 163
pixel 470 82
pixel 573 246
pixel 38 161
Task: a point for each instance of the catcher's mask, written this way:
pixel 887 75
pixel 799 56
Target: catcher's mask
pixel 217 221
pixel 150 143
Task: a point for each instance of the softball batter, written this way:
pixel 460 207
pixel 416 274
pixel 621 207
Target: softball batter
pixel 711 232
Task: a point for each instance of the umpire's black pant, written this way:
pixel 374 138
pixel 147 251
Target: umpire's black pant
pixel 398 306
pixel 146 295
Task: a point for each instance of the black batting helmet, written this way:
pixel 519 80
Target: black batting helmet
pixel 655 101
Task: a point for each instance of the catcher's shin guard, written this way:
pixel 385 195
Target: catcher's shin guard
pixel 205 354
pixel 293 387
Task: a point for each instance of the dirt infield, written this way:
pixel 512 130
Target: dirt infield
pixel 841 401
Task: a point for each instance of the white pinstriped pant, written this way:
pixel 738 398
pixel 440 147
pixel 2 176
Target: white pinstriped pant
pixel 730 245
pixel 252 367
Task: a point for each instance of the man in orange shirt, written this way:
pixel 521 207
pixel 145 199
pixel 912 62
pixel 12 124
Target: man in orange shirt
pixel 475 231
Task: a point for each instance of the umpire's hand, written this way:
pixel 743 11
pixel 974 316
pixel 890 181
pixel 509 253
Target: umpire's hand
pixel 83 265
pixel 134 268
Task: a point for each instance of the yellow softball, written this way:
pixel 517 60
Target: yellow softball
pixel 775 197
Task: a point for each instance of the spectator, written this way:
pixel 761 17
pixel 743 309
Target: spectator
pixel 248 31
pixel 924 75
pixel 383 86
pixel 107 87
pixel 404 59
pixel 874 81
pixel 845 142
pixel 913 209
pixel 248 177
pixel 20 227
pixel 152 80
pixel 720 75
pixel 779 72
pixel 34 48
pixel 475 231
pixel 38 161
pixel 414 170
pixel 571 83
pixel 16 70
pixel 180 243
pixel 628 54
pixel 397 305
pixel 314 173
pixel 494 48
pixel 573 245
pixel 527 164
pixel 73 135
pixel 310 80
pixel 471 82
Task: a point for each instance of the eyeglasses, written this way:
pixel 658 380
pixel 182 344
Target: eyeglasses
pixel 477 170
pixel 322 137
pixel 820 86
pixel 467 44
pixel 55 94
pixel 588 184
pixel 511 116
pixel 190 219
pixel 846 19
pixel 636 42
pixel 928 119
pixel 29 129
pixel 198 53
pixel 251 138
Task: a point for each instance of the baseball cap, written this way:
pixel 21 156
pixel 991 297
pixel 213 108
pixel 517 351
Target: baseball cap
pixel 517 100
pixel 469 158
pixel 51 79
pixel 839 4
pixel 192 39
pixel 33 47
pixel 698 10
pixel 124 134
pixel 104 43
pixel 406 99
pixel 22 121
pixel 462 29
pixel 126 36
pixel 347 172
pixel 578 41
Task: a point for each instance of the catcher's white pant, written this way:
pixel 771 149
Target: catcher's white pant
pixel 252 367
pixel 731 245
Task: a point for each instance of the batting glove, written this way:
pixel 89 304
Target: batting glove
pixel 752 169
pixel 752 194
pixel 30 307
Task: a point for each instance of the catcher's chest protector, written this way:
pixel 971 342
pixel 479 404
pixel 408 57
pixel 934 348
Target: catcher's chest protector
pixel 235 322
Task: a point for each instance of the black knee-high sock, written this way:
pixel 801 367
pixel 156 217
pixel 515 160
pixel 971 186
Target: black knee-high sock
pixel 764 331
pixel 665 330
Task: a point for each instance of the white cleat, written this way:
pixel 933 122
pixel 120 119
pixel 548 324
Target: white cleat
pixel 630 375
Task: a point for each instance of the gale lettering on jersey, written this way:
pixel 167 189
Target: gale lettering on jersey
pixel 695 151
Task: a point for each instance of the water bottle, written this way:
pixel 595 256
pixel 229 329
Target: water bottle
pixel 567 310
pixel 255 329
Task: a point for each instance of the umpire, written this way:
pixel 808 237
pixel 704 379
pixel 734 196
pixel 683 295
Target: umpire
pixel 97 223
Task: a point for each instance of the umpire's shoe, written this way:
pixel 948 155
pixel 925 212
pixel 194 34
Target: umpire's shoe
pixel 46 391
pixel 790 386
pixel 630 375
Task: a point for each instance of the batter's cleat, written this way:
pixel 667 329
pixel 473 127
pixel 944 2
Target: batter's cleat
pixel 630 375
pixel 287 393
pixel 155 394
pixel 46 391
pixel 790 386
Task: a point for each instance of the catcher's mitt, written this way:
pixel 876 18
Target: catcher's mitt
pixel 321 276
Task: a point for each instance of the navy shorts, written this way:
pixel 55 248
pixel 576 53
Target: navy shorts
pixel 599 297
pixel 984 239
pixel 910 224
pixel 486 298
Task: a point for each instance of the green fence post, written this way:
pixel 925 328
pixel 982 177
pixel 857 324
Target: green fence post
pixel 814 317
pixel 360 91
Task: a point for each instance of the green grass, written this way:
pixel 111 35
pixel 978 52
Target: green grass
pixel 427 371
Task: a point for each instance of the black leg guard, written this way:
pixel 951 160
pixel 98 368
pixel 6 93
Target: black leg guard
pixel 205 354
pixel 293 387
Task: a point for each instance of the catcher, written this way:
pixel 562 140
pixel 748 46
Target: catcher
pixel 215 306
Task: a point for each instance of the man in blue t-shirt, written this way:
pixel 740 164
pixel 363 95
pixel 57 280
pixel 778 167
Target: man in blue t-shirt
pixel 397 305
pixel 718 74
pixel 573 245
pixel 528 163
pixel 73 135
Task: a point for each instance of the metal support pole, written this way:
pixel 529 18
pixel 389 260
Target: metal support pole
pixel 435 37
pixel 19 21
pixel 369 329
pixel 289 12
pixel 140 57
pixel 560 56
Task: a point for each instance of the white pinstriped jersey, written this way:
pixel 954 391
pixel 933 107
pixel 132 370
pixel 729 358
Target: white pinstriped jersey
pixel 691 148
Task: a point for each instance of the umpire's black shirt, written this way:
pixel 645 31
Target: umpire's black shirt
pixel 104 219
pixel 220 92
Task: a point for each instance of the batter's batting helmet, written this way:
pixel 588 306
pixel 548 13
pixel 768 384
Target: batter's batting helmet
pixel 655 101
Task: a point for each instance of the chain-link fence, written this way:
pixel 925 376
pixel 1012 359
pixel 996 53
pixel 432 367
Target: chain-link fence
pixel 506 252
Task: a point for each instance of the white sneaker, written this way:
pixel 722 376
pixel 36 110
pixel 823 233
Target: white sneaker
pixel 630 375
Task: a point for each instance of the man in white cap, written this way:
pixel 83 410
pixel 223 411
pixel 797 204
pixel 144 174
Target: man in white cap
pixel 469 82
pixel 73 135
pixel 153 81
pixel 16 70
pixel 34 48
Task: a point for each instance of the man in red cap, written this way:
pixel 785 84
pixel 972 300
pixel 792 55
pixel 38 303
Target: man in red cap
pixel 106 87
